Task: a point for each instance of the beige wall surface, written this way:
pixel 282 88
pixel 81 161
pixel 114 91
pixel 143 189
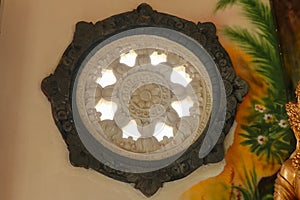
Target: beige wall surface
pixel 33 156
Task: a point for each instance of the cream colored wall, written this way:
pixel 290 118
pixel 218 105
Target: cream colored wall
pixel 34 159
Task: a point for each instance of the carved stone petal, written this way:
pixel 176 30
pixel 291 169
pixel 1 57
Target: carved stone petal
pixel 120 69
pixel 110 129
pixel 107 92
pixel 148 144
pixel 143 59
pixel 172 117
pixel 185 126
pixel 179 91
pixel 147 130
pixel 121 118
pixel 98 93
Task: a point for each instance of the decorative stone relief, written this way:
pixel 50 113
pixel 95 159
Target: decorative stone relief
pixel 144 97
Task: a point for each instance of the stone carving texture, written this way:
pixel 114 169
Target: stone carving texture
pixel 59 85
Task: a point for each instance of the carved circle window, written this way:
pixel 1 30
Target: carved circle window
pixel 144 97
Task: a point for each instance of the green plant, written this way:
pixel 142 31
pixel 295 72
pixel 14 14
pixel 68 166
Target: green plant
pixel 264 134
pixel 250 191
pixel 259 42
pixel 265 130
pixel 268 135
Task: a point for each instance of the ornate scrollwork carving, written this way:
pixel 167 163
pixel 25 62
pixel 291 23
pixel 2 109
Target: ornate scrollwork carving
pixel 58 88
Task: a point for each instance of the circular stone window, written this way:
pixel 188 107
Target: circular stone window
pixel 144 97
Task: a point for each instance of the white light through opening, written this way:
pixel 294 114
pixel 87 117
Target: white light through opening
pixel 107 78
pixel 130 130
pixel 128 58
pixel 162 130
pixel 107 109
pixel 179 76
pixel 183 107
pixel 157 58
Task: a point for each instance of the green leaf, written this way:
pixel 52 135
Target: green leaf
pixel 250 191
pixel 248 181
pixel 244 192
pixel 222 4
pixel 252 130
pixel 268 197
pixel 254 147
pixel 247 136
pixel 260 15
pixel 263 54
pixel 247 142
pixel 259 151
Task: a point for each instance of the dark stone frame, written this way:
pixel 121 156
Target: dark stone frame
pixel 58 88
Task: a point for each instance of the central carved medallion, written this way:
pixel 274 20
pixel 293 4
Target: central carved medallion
pixel 149 101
